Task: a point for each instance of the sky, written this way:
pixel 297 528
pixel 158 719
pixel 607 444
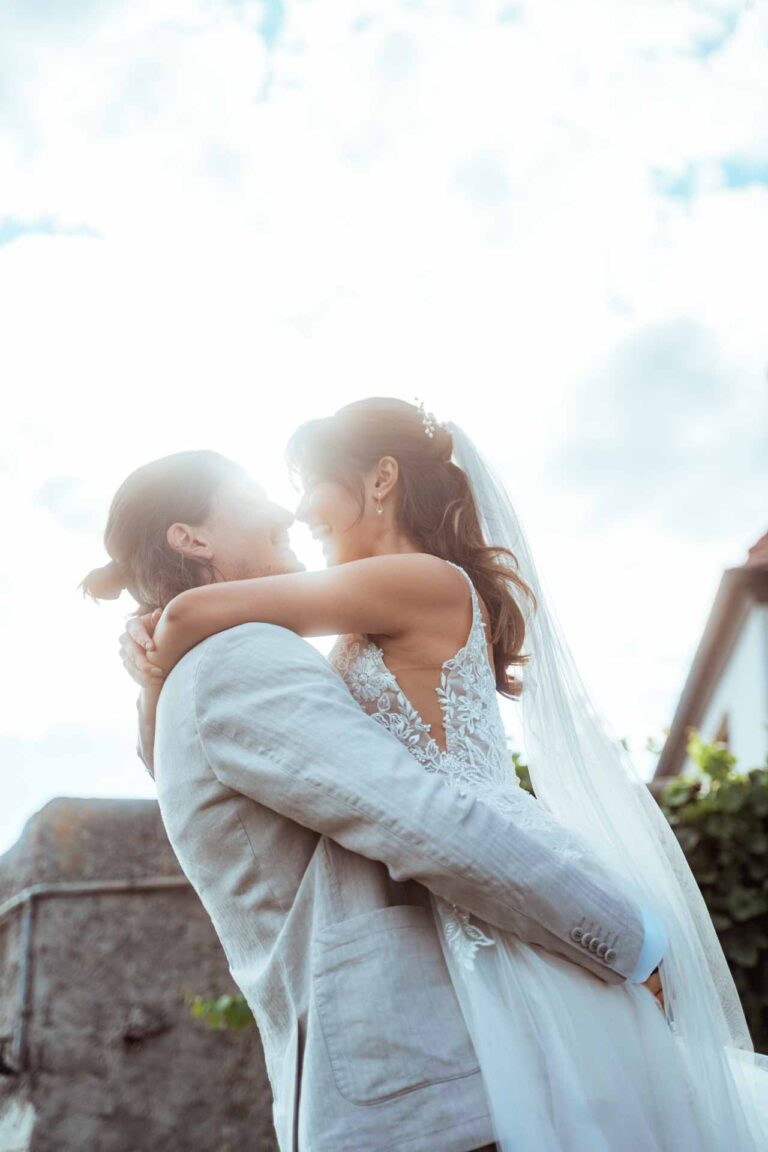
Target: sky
pixel 220 218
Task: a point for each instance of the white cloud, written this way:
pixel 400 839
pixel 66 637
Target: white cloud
pixel 670 420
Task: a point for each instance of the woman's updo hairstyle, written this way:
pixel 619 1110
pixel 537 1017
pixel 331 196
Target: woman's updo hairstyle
pixel 435 506
pixel 174 488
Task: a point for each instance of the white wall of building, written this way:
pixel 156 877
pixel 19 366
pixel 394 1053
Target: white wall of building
pixel 742 694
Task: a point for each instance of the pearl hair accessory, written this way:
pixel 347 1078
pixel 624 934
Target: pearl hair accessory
pixel 428 419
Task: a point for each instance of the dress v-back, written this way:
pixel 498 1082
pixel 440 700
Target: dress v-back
pixel 476 757
pixel 476 752
pixel 590 1065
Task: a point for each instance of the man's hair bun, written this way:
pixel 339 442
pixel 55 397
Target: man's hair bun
pixel 105 583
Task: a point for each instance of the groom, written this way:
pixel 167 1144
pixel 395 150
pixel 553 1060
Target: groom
pixel 313 839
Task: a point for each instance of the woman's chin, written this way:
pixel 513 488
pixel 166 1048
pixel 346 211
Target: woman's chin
pixel 336 551
pixel 333 556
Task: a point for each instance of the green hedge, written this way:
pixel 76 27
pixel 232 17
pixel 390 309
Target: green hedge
pixel 720 818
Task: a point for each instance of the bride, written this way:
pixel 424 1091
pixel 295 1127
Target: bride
pixel 419 523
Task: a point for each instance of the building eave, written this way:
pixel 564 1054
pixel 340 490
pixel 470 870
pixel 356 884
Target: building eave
pixel 739 589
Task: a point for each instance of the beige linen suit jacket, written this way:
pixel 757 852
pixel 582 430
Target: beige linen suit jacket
pixel 312 836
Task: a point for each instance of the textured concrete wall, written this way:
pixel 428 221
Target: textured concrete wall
pixel 116 1062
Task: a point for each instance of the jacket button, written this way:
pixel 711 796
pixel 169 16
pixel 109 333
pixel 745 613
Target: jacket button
pixel 576 934
pixel 610 955
pixel 586 939
pixel 593 944
pixel 601 951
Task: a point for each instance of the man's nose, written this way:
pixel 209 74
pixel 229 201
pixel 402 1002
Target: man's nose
pixel 283 518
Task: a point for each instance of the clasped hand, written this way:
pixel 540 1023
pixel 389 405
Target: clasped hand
pixel 137 647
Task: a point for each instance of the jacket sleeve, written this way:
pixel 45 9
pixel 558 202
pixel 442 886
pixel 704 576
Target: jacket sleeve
pixel 655 945
pixel 139 745
pixel 139 749
pixel 277 724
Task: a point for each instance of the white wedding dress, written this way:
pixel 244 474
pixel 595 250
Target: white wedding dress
pixel 590 1066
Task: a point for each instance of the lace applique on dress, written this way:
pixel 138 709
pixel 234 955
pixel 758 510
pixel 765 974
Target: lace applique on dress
pixel 476 758
pixel 464 938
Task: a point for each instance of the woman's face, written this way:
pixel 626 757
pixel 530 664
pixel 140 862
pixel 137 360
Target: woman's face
pixel 332 513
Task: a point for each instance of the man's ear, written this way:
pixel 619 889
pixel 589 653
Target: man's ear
pixel 184 538
pixel 386 476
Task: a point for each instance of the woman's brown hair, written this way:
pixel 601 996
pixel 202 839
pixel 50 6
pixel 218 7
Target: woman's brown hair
pixel 435 505
pixel 177 487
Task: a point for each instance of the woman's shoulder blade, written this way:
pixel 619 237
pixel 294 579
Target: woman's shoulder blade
pixel 422 571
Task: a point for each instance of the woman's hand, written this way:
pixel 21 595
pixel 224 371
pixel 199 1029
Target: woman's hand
pixel 653 983
pixel 135 645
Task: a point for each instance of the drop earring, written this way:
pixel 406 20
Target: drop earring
pixel 379 509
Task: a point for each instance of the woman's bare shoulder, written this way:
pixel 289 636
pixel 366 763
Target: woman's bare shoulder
pixel 417 572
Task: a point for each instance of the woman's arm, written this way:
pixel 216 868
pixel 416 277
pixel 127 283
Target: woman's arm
pixel 381 596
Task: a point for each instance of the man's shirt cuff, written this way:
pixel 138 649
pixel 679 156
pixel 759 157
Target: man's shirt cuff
pixel 655 944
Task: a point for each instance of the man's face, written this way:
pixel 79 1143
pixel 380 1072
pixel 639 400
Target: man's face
pixel 247 533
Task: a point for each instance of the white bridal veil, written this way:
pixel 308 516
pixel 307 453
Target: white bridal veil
pixel 586 779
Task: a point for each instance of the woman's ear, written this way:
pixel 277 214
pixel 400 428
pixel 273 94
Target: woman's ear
pixel 386 476
pixel 183 538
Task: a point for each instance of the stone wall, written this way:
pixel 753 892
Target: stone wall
pixel 115 1062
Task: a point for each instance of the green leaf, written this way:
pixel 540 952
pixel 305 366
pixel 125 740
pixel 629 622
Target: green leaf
pixel 222 1012
pixel 758 843
pixel 757 868
pixel 716 824
pixel 744 903
pixel 678 792
pixel 730 796
pixel 714 760
pixel 689 838
pixel 743 953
